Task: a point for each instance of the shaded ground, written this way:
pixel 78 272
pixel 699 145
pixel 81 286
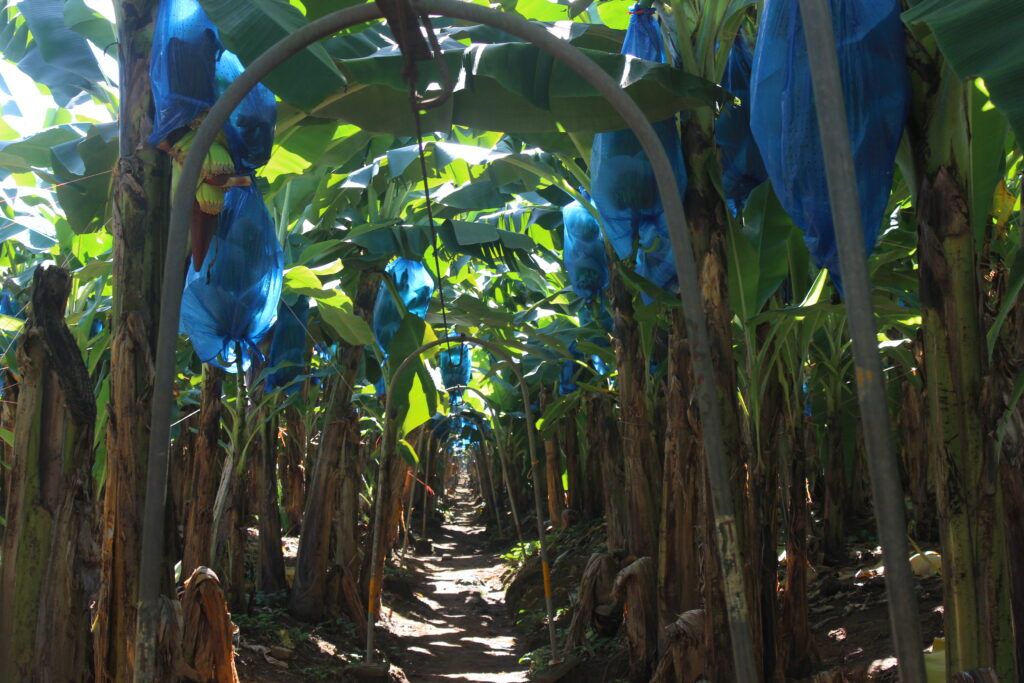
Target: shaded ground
pixel 443 619
pixel 455 627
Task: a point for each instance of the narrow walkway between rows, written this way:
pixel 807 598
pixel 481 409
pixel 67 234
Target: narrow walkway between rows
pixel 456 627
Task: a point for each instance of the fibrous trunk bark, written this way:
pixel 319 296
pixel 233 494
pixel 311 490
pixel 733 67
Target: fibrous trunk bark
pixel 206 467
pixel 292 467
pixel 969 505
pixel 635 590
pixel 227 554
pixel 50 559
pixel 553 475
pixel 139 224
pixel 8 409
pixel 271 555
pixel 574 475
pixel 916 451
pixel 797 652
pixel 1007 423
pixel 640 457
pixel 591 491
pixel 339 442
pixel 705 212
pixel 391 474
pixel 679 576
pixel 605 447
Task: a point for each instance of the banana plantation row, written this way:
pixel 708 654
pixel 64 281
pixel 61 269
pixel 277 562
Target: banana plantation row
pixel 336 230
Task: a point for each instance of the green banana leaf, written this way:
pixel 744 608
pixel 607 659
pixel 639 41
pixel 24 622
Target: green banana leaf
pixel 249 28
pixel 504 86
pixel 35 36
pixel 509 87
pixel 981 38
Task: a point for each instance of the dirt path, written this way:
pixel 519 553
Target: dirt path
pixel 456 627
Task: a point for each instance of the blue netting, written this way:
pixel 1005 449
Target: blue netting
pixel 189 69
pixel 439 425
pixel 10 307
pixel 456 369
pixel 870 43
pixel 250 129
pixel 622 181
pixel 583 251
pixel 655 258
pixel 604 321
pixel 288 346
pixel 231 301
pixel 742 166
pixel 415 287
pixel 570 372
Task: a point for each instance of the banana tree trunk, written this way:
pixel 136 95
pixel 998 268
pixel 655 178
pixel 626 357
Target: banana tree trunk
pixel 1008 421
pixel 8 411
pixel 679 572
pixel 338 443
pixel 640 456
pixel 292 467
pixel 348 550
pixel 604 443
pixel 705 212
pixel 271 555
pixel 485 464
pixel 975 571
pixel 141 183
pixel 797 651
pixel 309 589
pixel 571 442
pixel 775 428
pixel 553 480
pixel 592 452
pixel 916 449
pixel 390 476
pixel 49 570
pixel 205 473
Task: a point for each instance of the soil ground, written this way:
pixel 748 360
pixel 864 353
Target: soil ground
pixel 455 627
pixel 445 618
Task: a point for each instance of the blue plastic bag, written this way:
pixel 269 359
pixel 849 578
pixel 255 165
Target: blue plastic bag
pixel 189 68
pixel 250 128
pixel 230 303
pixel 10 307
pixel 415 286
pixel 605 323
pixel 456 370
pixel 288 346
pixel 655 260
pixel 870 44
pixel 742 166
pixel 570 372
pixel 583 251
pixel 439 426
pixel 622 180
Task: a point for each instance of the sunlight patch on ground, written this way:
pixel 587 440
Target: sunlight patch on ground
pixel 504 677
pixel 493 643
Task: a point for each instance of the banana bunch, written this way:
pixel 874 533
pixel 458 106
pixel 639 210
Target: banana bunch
pixel 217 169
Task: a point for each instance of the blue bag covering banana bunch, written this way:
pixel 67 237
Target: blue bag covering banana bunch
pixel 230 302
pixel 622 180
pixel 189 70
pixel 872 63
pixel 289 347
